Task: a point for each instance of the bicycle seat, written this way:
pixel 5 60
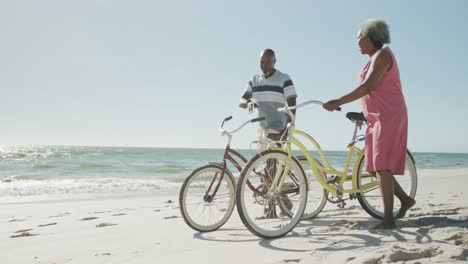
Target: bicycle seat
pixel 354 116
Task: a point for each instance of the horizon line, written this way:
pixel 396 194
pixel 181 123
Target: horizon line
pixel 172 147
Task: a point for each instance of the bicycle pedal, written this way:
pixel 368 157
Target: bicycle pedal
pixel 333 179
pixel 341 205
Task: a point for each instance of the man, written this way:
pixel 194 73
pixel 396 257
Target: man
pixel 269 91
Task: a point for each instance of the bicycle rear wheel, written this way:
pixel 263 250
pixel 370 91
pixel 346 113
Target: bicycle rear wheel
pixel 200 210
pixel 371 201
pixel 259 209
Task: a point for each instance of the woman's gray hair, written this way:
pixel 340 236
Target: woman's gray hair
pixel 377 31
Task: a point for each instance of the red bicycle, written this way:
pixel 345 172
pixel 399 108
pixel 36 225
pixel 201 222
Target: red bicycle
pixel 207 196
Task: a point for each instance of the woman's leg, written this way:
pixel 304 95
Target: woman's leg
pixel 406 201
pixel 386 183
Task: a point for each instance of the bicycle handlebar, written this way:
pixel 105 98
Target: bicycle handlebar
pixel 257 119
pixel 285 109
pixel 224 131
pixel 225 120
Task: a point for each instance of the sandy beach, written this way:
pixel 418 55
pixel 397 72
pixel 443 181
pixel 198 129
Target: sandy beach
pixel 149 229
pixel 108 107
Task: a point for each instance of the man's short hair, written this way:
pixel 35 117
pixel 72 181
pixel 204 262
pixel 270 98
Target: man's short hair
pixel 268 52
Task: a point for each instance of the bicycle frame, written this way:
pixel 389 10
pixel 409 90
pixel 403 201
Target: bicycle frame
pixel 327 168
pixel 228 152
pixel 229 156
pixel 336 187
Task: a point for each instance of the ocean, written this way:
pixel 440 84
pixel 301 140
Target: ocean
pixel 32 173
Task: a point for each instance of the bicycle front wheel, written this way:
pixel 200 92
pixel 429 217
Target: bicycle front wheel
pixel 261 209
pixel 202 210
pixel 371 200
pixel 317 195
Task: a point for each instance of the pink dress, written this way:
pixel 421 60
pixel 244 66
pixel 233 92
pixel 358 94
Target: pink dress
pixel 387 131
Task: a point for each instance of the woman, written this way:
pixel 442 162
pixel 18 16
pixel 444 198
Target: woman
pixel 385 110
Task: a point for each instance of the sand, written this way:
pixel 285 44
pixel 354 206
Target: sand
pixel 149 229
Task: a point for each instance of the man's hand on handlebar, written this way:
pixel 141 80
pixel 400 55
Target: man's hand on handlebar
pixel 249 105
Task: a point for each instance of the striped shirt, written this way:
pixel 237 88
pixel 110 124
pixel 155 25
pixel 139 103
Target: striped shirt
pixel 271 93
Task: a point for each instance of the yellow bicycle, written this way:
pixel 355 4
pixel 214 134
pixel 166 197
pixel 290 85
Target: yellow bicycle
pixel 286 185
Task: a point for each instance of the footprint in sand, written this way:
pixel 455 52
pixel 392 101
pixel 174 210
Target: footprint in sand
pixel 397 254
pixel 454 237
pixel 103 254
pixel 417 214
pixel 59 215
pixel 334 228
pixel 348 225
pixel 23 230
pixel 401 254
pixel 24 234
pixel 423 230
pixel 451 211
pixel 434 205
pixel 340 223
pixel 105 224
pixel 119 214
pixel 49 224
pixel 340 214
pixel 89 218
pixel 16 220
pixel 157 210
pixel 171 217
pixel 438 221
pixel 292 260
pixel 459 239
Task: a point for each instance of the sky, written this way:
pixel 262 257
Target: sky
pixel 152 73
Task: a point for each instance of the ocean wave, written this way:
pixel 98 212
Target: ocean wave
pixel 17 178
pixel 82 186
pixel 32 153
pixel 168 168
pixel 177 178
pixel 44 166
pixel 48 152
pixel 94 165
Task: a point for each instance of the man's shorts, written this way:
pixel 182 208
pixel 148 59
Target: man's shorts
pixel 264 135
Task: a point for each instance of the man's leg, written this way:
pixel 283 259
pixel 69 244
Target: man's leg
pixel 269 171
pixel 261 137
pixel 287 186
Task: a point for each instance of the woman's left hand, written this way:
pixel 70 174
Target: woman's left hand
pixel 331 105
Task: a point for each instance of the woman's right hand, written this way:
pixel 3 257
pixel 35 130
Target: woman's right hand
pixel 332 105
